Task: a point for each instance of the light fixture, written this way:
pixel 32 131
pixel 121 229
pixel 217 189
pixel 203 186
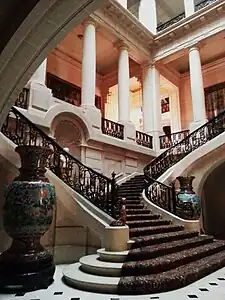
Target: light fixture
pixel 80 36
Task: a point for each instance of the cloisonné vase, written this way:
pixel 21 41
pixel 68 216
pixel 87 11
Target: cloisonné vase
pixel 188 203
pixel 27 214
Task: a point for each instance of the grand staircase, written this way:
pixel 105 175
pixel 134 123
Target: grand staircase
pixel 162 256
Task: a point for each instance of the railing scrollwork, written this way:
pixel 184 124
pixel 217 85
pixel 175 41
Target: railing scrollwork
pixel 163 195
pixel 97 188
pixel 171 140
pixel 203 4
pixel 22 100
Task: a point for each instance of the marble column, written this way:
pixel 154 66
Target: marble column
pixel 123 3
pixel 89 64
pixel 151 103
pixel 40 96
pixel 189 7
pixel 90 111
pixel 124 92
pixel 148 15
pixel 124 84
pixel 197 88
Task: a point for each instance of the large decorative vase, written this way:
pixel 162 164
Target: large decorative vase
pixel 188 203
pixel 27 214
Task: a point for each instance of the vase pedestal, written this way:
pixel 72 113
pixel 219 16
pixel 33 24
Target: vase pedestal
pixel 27 215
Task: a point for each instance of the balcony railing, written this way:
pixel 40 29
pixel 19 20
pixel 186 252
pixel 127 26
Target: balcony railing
pixel 113 129
pixel 181 16
pixel 171 22
pixel 203 4
pixel 22 100
pixel 144 139
pixel 167 141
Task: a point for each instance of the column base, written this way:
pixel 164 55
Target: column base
pixel 93 114
pixel 40 96
pixel 129 131
pixel 196 124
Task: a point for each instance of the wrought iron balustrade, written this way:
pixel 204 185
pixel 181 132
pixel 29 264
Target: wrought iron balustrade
pixel 113 129
pixel 167 141
pixel 165 197
pixel 171 22
pixel 22 100
pixel 97 188
pixel 144 139
pixel 194 140
pixel 203 4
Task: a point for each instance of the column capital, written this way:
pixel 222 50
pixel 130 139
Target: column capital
pixel 194 46
pixel 147 64
pixel 88 21
pixel 121 45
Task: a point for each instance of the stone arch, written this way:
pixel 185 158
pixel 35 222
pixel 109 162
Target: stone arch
pixel 44 27
pixel 213 202
pixel 69 112
pixel 69 135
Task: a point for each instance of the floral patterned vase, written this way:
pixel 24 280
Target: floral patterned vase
pixel 188 203
pixel 27 214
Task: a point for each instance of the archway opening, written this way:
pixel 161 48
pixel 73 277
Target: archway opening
pixel 213 199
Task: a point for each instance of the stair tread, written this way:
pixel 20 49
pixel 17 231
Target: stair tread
pixel 92 260
pixel 164 248
pixel 165 261
pixel 157 238
pixel 172 279
pixel 152 228
pixel 137 210
pixel 143 216
pixel 74 275
pixel 144 223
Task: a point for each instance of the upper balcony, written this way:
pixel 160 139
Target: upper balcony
pixel 158 15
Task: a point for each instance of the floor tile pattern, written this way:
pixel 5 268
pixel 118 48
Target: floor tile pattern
pixel 208 288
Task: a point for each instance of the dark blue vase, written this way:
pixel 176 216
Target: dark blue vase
pixel 188 203
pixel 27 214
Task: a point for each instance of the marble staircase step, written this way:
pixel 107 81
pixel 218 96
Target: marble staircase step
pixel 155 239
pixel 109 256
pixel 135 232
pixel 170 261
pixel 149 252
pixel 75 277
pixel 92 264
pixel 172 279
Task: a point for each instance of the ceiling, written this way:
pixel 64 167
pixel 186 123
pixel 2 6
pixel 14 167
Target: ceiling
pixel 106 52
pixel 209 52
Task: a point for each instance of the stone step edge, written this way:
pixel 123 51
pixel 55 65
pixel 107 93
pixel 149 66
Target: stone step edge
pixel 91 264
pixel 109 256
pixel 75 277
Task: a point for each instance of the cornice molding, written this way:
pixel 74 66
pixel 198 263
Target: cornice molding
pixel 127 28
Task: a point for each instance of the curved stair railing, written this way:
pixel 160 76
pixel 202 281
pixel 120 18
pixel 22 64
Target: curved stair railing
pixel 163 195
pixel 97 188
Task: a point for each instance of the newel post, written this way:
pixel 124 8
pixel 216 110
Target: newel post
pixel 113 195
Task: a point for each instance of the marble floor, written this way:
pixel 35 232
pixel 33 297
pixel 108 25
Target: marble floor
pixel 211 287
